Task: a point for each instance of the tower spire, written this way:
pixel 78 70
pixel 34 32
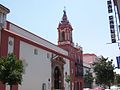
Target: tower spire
pixel 64 22
pixel 64 18
pixel 65 30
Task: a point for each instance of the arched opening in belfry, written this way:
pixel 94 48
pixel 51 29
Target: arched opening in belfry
pixel 63 36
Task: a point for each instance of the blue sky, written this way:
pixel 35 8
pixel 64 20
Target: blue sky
pixel 89 19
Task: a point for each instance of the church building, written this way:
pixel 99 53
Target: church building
pixel 47 66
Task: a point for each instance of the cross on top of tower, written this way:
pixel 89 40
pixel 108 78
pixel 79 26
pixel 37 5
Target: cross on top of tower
pixel 64 8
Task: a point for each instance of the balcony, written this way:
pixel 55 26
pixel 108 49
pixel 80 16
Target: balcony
pixel 79 70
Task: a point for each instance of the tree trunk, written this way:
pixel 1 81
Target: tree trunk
pixel 10 87
pixel 109 85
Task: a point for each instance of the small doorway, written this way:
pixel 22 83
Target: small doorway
pixel 57 80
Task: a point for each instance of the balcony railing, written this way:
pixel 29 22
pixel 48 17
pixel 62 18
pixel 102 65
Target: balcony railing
pixel 79 69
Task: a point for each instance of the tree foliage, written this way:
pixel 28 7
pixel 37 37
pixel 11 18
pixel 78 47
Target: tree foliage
pixel 11 70
pixel 104 71
pixel 117 79
pixel 88 79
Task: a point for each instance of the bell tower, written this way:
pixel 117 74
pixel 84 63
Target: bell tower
pixel 65 31
pixel 65 41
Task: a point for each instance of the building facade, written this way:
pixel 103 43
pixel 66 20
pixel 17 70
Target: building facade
pixel 88 61
pixel 46 65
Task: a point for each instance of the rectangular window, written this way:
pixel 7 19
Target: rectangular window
pixel 4 18
pixel 1 17
pixel 35 51
pixel 48 55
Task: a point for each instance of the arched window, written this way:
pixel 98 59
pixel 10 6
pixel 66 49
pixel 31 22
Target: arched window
pixel 63 36
pixel 71 36
pixel 43 86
